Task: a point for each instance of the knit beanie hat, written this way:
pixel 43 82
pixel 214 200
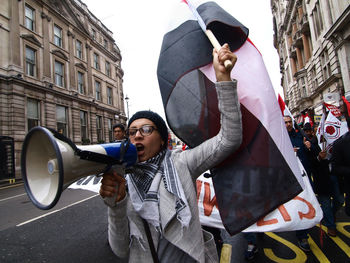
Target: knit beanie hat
pixel 156 119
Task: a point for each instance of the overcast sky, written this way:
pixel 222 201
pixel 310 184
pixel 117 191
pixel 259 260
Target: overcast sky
pixel 138 29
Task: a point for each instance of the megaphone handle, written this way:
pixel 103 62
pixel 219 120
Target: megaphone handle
pixel 111 201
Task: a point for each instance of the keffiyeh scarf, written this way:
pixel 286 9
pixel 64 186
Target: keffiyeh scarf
pixel 143 184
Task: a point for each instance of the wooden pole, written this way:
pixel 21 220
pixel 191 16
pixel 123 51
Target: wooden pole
pixel 217 46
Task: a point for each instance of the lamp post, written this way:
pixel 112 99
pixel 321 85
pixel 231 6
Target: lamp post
pixel 127 105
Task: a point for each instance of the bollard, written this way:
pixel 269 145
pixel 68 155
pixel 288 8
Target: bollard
pixel 226 253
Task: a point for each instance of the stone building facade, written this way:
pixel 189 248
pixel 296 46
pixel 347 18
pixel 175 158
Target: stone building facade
pixel 59 68
pixel 312 38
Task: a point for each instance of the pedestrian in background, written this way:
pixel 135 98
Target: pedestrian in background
pixel 118 132
pixel 325 185
pixel 300 145
pixel 252 246
pixel 340 163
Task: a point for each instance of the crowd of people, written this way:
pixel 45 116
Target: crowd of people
pixel 155 216
pixel 328 174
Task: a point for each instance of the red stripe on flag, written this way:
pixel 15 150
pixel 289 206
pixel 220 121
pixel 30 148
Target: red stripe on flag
pixel 248 39
pixel 281 103
pixel 347 104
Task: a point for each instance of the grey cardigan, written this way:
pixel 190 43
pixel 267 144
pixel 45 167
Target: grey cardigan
pixel 126 232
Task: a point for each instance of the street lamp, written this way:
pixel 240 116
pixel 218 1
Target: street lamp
pixel 127 105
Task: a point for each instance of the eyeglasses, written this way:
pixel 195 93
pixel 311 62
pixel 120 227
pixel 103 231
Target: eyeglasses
pixel 145 130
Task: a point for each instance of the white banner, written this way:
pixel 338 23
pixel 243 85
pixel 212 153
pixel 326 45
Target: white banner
pixel 301 212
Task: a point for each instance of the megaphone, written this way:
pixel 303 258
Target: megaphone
pixel 50 162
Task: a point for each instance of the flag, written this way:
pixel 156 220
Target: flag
pixel 334 109
pixel 332 128
pixel 286 112
pixel 307 119
pixel 329 130
pixel 300 119
pixel 347 105
pixel 284 109
pixel 263 173
pixel 320 133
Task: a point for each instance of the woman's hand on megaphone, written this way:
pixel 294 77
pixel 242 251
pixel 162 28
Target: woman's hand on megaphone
pixel 113 184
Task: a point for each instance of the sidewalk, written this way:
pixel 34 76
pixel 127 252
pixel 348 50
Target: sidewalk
pixel 4 183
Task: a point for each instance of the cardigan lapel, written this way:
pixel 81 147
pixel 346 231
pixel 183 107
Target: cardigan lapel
pixel 166 205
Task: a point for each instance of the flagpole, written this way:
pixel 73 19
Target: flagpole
pixel 217 46
pixel 208 32
pixel 322 134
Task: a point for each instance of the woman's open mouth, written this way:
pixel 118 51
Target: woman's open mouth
pixel 139 147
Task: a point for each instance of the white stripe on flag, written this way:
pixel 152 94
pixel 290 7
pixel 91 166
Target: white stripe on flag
pixel 180 13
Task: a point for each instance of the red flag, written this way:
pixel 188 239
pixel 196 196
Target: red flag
pixel 263 173
pixel 334 109
pixel 300 119
pixel 286 111
pixel 347 104
pixel 307 119
pixel 283 107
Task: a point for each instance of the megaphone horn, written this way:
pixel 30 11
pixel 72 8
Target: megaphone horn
pixel 50 162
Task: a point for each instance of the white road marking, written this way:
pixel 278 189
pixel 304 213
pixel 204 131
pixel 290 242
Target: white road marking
pixel 55 211
pixel 11 197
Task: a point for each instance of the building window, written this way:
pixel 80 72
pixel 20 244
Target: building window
pixel 61 119
pixel 93 34
pixel 110 132
pixel 59 74
pixel 81 88
pixel 98 90
pixel 29 18
pixel 30 61
pixel 109 96
pixel 99 129
pixel 79 49
pixel 105 43
pixel 57 39
pixel 326 65
pixel 96 61
pixel 304 92
pixel 108 69
pixel 317 20
pixel 314 78
pixel 302 87
pixel 83 127
pixel 33 113
pixel 302 52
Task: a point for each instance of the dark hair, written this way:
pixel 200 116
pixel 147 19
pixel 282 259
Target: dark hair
pixel 307 127
pixel 119 125
pixel 156 119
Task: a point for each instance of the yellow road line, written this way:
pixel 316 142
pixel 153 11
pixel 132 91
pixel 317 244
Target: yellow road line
pixel 300 256
pixel 317 251
pixel 341 228
pixel 340 243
